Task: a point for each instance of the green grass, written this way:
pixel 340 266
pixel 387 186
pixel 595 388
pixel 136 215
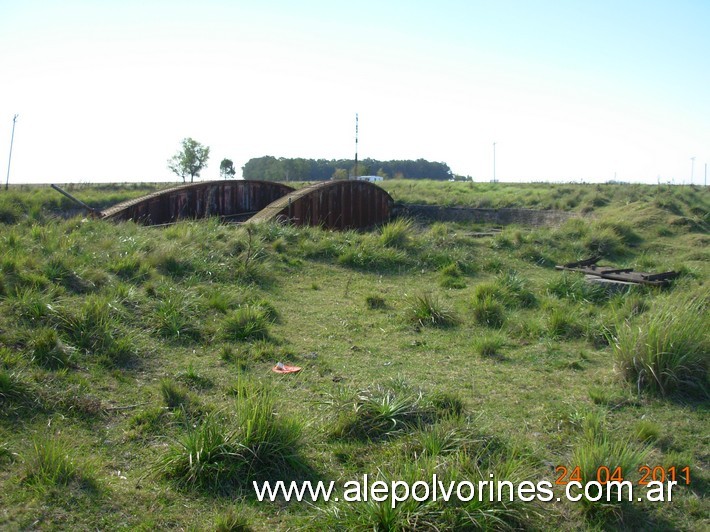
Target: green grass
pixel 248 322
pixel 489 312
pixel 54 464
pixel 666 350
pixel 147 354
pixel 48 350
pixel 222 453
pixel 428 309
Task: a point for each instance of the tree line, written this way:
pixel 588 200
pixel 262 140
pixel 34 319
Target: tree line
pixel 192 158
pixel 270 168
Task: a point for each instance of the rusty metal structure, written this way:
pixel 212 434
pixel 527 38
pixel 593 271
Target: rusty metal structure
pixel 331 204
pixel 236 200
pixel 625 275
pixel 348 204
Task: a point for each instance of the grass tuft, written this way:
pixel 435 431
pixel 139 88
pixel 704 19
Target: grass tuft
pixel 488 312
pixel 12 388
pixel 427 309
pixel 489 345
pixel 48 350
pixel 50 464
pixel 397 234
pixel 248 322
pixel 375 302
pixel 665 350
pixel 225 452
pixel 174 395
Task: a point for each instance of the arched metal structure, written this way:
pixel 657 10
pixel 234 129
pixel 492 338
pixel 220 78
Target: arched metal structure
pixel 234 199
pixel 333 205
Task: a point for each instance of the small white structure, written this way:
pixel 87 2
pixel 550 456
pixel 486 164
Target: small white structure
pixel 370 178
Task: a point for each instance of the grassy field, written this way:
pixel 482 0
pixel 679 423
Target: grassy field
pixel 136 388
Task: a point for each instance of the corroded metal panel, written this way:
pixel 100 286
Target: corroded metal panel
pixel 333 205
pixel 231 199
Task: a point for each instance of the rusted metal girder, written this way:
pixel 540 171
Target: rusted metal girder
pixel 628 275
pixel 234 199
pixel 333 205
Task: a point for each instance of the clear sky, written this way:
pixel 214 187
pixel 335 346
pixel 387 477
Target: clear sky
pixel 569 90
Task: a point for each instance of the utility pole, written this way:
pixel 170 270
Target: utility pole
pixel 692 169
pixel 706 174
pixel 356 134
pixel 494 162
pixel 9 159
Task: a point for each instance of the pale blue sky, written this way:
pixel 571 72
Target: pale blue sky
pixel 569 90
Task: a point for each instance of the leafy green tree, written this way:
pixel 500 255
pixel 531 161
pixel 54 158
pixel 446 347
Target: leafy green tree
pixel 226 169
pixel 340 173
pixel 190 160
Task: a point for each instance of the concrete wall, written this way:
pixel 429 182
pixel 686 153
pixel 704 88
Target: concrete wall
pixel 491 216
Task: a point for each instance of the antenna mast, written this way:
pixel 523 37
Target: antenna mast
pixel 356 135
pixel 9 159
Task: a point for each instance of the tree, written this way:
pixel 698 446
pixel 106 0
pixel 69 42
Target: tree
pixel 340 174
pixel 190 160
pixel 226 169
